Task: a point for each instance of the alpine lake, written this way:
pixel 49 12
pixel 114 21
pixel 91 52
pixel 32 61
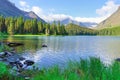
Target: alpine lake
pixel 61 49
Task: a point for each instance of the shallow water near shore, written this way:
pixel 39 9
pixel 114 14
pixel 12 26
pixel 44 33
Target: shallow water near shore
pixel 61 49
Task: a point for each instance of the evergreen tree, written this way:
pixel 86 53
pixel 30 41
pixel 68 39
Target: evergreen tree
pixel 59 28
pixel 53 28
pixel 2 24
pixel 11 27
pixel 20 25
pixel 47 30
pixel 34 26
pixel 40 27
pixel 27 26
pixel 63 31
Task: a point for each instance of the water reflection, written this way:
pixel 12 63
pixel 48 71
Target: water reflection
pixel 30 44
pixel 61 49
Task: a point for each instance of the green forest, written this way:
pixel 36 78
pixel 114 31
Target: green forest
pixel 110 31
pixel 19 25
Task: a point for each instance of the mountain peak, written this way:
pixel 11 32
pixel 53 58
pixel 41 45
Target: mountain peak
pixel 32 15
pixel 31 12
pixel 83 24
pixel 8 9
pixel 119 8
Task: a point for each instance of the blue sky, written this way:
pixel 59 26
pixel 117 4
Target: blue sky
pixel 79 10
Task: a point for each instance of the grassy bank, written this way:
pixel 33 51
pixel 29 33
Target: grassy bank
pixel 29 35
pixel 92 69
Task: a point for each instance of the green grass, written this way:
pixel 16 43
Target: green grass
pixel 29 35
pixel 5 73
pixel 92 69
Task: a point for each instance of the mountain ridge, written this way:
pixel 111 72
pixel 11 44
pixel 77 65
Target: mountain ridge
pixel 83 24
pixel 112 21
pixel 8 9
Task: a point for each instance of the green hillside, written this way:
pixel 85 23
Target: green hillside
pixel 73 29
pixel 110 31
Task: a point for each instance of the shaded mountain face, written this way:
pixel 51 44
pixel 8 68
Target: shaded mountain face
pixel 112 21
pixel 9 9
pixel 83 24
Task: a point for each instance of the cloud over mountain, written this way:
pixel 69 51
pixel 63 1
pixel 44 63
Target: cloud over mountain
pixel 107 9
pixel 49 15
pixel 8 9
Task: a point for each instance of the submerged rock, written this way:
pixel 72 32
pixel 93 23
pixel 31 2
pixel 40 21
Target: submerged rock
pixel 14 44
pixel 118 59
pixel 14 60
pixel 21 64
pixel 5 54
pixel 44 45
pixel 29 62
pixel 21 58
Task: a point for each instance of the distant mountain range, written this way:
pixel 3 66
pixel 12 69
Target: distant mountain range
pixel 112 21
pixel 83 24
pixel 9 9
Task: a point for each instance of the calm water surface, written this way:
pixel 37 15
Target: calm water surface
pixel 61 49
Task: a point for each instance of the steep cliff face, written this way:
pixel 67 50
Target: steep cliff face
pixel 9 9
pixel 112 21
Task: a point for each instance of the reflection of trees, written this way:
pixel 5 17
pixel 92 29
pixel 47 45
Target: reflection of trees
pixel 30 43
pixel 10 39
pixel 55 43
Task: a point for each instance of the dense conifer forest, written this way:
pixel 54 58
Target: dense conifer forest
pixel 19 25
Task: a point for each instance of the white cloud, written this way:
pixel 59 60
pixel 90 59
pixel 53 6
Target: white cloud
pixel 51 11
pixel 24 5
pixel 90 19
pixel 104 12
pixel 52 17
pixel 107 9
pixel 37 10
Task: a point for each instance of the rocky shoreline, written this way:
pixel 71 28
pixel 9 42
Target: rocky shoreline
pixel 15 62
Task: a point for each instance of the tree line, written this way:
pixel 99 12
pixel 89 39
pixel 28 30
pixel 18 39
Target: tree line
pixel 19 25
pixel 73 29
pixel 110 31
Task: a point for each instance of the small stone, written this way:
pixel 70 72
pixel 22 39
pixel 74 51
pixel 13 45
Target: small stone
pixel 6 53
pixel 118 59
pixel 29 62
pixel 44 45
pixel 21 58
pixel 27 78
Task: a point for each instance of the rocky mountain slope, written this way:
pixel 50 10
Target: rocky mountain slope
pixel 9 9
pixel 112 21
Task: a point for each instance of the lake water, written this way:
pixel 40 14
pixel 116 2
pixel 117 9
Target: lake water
pixel 61 49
